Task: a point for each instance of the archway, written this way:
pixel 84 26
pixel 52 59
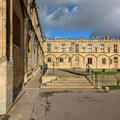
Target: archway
pixel 50 60
pixel 103 62
pixel 78 61
pixel 65 61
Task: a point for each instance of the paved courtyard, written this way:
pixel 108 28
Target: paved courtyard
pixel 34 103
pixel 67 105
pixel 80 105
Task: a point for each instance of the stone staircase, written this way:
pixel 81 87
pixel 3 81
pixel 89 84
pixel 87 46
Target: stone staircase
pixel 68 83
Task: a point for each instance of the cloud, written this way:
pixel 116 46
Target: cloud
pixel 98 16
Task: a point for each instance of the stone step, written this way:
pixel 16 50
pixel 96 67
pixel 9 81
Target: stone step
pixel 71 78
pixel 66 87
pixel 81 84
pixel 70 81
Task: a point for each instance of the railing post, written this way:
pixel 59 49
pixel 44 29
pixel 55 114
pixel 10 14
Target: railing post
pixel 96 80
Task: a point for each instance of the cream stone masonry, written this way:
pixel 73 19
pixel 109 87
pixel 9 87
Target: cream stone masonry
pixel 21 53
pixel 100 54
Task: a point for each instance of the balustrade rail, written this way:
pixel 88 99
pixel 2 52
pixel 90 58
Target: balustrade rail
pixel 93 78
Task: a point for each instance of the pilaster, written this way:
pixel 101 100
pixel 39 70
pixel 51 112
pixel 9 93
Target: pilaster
pixel 25 50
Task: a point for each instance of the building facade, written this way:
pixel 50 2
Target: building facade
pixel 100 54
pixel 21 53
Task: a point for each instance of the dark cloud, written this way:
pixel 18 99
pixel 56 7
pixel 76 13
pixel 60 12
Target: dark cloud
pixel 98 16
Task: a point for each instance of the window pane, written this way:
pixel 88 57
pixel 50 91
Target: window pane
pixel 104 61
pixel 89 60
pixel 76 48
pixel 48 47
pixel 115 48
pixel 89 48
pixel 63 47
pixel 61 59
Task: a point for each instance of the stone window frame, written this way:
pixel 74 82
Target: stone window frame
pixel 63 48
pixel 102 50
pixel 103 61
pixel 115 59
pixel 90 61
pixel 89 48
pixel 49 47
pixel 76 48
pixel 61 60
pixel 115 48
pixel 49 59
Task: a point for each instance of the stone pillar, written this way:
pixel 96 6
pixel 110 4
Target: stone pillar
pixel 25 50
pixel 32 51
pixel 6 67
pixel 84 63
pixel 3 59
pixel 57 62
pixel 10 63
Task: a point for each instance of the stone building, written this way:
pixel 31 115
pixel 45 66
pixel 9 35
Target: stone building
pixel 21 53
pixel 101 54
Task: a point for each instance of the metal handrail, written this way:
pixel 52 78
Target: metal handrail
pixel 92 78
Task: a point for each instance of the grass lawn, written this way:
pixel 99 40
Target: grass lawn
pixel 113 87
pixel 106 73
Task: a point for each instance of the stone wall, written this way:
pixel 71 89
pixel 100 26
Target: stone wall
pixel 21 53
pixel 79 58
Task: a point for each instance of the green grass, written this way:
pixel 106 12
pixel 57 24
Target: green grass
pixel 106 73
pixel 111 87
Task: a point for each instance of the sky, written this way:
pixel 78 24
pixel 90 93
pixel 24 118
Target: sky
pixel 77 18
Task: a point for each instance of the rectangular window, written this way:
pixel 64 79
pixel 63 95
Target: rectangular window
pixel 89 48
pixel 115 48
pixel 48 47
pixel 102 48
pixel 49 60
pixel 77 48
pixel 61 59
pixel 72 45
pixel 63 47
pixel 104 61
pixel 89 60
